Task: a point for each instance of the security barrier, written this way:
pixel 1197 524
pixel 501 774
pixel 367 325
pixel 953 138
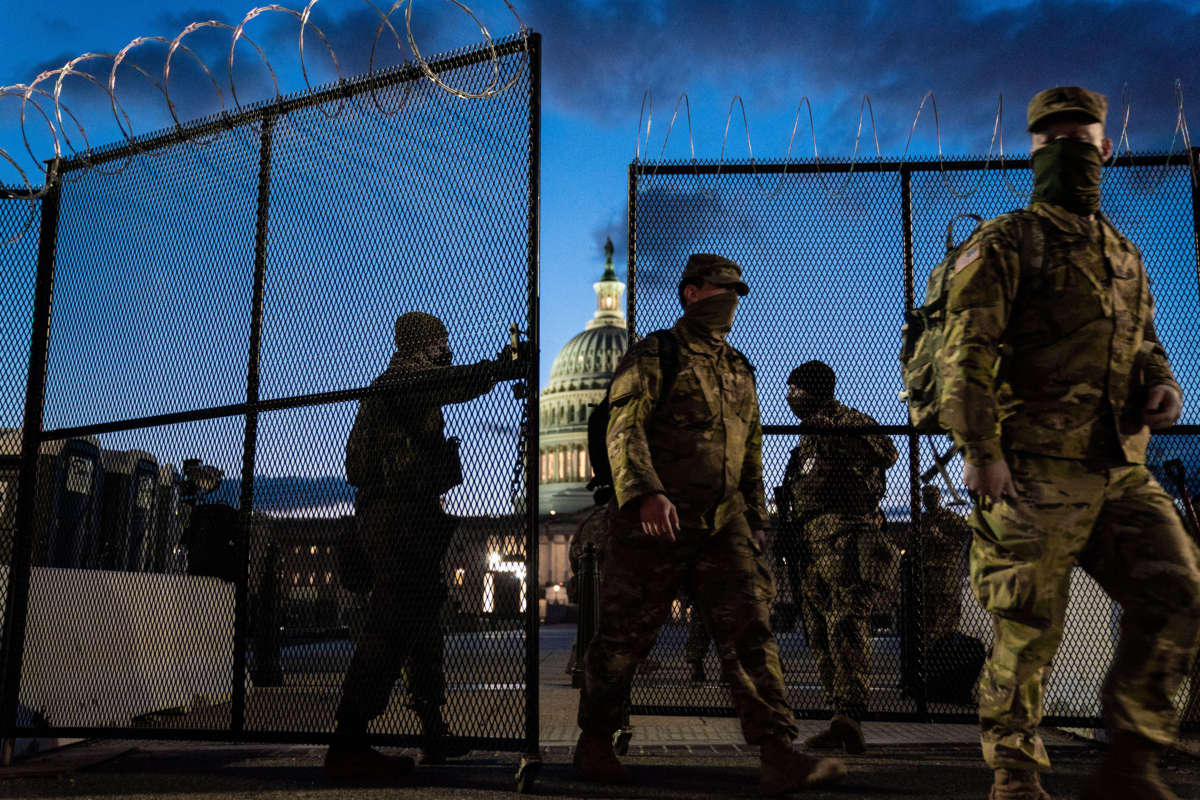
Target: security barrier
pixel 209 308
pixel 835 253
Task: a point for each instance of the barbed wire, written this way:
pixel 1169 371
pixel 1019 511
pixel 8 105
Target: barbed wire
pixel 33 96
pixel 995 152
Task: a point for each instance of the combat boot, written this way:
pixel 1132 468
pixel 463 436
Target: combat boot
pixel 358 763
pixel 437 747
pixel 1129 772
pixel 843 732
pixel 786 769
pixel 597 762
pixel 1017 784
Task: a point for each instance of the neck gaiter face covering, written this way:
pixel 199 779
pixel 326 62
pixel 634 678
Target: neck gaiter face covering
pixel 1066 172
pixel 712 317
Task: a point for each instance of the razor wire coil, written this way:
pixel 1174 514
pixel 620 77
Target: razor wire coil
pixel 49 104
pixel 995 152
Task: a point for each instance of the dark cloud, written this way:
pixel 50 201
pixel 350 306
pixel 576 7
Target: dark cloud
pixel 598 62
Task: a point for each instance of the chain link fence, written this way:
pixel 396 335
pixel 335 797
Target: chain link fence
pixel 834 254
pixel 184 555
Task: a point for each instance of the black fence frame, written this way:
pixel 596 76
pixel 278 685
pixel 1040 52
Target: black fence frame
pixel 904 169
pixel 33 434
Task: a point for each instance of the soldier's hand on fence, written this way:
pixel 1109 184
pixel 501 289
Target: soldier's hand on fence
pixel 1163 406
pixel 990 481
pixel 658 516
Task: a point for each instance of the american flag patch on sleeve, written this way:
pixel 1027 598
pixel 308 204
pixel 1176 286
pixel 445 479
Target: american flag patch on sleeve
pixel 966 258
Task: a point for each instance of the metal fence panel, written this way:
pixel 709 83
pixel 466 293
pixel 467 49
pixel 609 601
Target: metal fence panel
pixel 834 253
pixel 19 223
pixel 224 303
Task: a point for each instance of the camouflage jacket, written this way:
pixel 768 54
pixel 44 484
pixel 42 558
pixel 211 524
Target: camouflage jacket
pixel 837 473
pixel 944 524
pixel 1048 360
pixel 398 439
pixel 702 446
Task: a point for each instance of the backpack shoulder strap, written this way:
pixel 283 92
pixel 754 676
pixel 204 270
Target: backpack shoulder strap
pixel 668 360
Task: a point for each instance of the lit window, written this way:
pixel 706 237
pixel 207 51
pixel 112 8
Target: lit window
pixel 312 550
pixel 582 463
pixel 296 579
pixel 312 578
pixel 328 577
pixel 459 574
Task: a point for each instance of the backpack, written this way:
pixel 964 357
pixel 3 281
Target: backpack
pixel 922 334
pixel 668 358
pixel 597 436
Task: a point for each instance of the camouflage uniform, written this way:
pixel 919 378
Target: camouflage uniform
pixel 592 529
pixel 400 436
pixel 832 485
pixel 943 539
pixel 701 447
pixel 1047 368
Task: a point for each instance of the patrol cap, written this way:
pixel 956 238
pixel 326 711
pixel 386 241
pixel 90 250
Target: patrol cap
pixel 416 329
pixel 715 269
pixel 815 377
pixel 1066 99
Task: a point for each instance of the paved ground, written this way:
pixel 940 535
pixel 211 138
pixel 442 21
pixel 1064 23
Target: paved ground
pixel 670 757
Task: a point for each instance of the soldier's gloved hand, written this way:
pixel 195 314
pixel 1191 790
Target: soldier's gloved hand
pixel 991 481
pixel 1163 406
pixel 658 516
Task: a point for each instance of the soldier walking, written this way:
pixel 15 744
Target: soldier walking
pixel 687 470
pixel 398 457
pixel 1054 377
pixel 832 488
pixel 943 542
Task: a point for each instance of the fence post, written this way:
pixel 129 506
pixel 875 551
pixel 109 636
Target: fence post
pixel 631 255
pixel 531 761
pixel 1195 176
pixel 20 567
pixel 237 719
pixel 910 605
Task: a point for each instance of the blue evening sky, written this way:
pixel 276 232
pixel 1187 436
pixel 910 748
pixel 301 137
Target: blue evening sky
pixel 601 57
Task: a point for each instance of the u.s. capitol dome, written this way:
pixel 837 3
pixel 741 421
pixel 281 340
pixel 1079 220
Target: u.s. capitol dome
pixel 578 379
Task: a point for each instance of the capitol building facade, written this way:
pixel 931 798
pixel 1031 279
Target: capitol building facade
pixel 579 378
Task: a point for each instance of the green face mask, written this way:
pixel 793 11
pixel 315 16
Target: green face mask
pixel 712 317
pixel 1066 172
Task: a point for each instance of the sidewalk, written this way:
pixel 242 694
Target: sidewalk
pixel 680 758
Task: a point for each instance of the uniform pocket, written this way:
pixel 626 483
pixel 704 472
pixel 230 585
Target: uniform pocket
pixel 692 404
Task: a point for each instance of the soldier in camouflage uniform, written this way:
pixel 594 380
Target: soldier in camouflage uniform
pixel 592 529
pixel 1053 377
pixel 398 457
pixel 832 487
pixel 687 471
pixel 944 538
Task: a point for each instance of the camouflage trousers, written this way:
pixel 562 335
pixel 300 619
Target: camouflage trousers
pixel 403 636
pixel 1122 528
pixel 941 587
pixel 732 587
pixel 841 574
